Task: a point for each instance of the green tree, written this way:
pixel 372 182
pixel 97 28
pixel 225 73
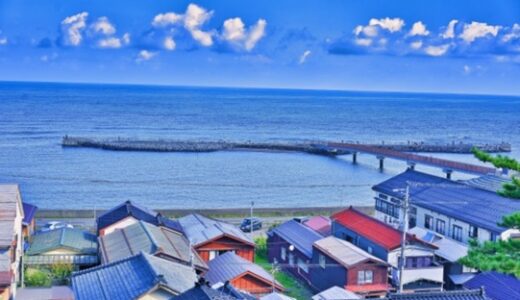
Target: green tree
pixel 501 256
pixel 509 189
pixel 35 277
pixel 61 272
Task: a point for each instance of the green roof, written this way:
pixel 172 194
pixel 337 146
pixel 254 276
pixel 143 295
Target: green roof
pixel 81 260
pixel 80 241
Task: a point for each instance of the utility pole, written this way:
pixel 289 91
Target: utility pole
pixel 404 228
pixel 251 220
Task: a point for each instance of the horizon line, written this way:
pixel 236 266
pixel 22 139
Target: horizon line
pixel 257 88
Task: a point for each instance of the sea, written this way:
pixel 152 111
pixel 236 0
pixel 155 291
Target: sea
pixel 35 116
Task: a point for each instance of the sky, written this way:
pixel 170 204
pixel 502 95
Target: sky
pixel 418 46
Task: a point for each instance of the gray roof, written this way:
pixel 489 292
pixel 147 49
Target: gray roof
pixel 151 239
pixel 228 266
pixel 448 249
pixel 491 183
pixel 447 295
pixel 45 293
pixel 344 252
pixel 200 229
pixel 336 293
pixel 80 241
pixel 299 235
pixel 276 296
pixel 80 260
pixel 132 277
pixel 10 202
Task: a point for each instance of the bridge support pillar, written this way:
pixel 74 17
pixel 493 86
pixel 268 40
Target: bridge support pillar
pixel 381 162
pixel 448 173
pixel 354 157
pixel 411 165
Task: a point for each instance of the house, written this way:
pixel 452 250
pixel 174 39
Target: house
pixel 204 292
pixel 28 222
pixel 45 293
pixel 241 274
pixel 11 246
pixel 335 293
pixel 290 245
pixel 448 253
pixel 142 277
pixel 320 224
pixel 212 238
pixel 158 241
pixel 498 286
pixel 421 270
pixel 276 296
pixel 449 295
pixel 64 245
pixel 460 211
pixel 340 263
pixel 128 213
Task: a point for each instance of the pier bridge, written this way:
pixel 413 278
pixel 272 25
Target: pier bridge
pixel 447 166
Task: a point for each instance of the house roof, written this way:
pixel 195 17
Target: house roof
pixel 29 211
pixel 80 260
pixel 448 249
pixel 45 293
pixel 150 239
pixel 200 230
pixel 320 224
pixel 344 252
pixel 460 201
pixel 488 182
pixel 335 293
pixel 229 266
pixel 5 278
pixel 132 277
pixel 371 228
pixel 446 295
pixel 204 292
pixel 276 296
pixel 498 286
pixel 299 235
pixel 82 242
pixel 10 206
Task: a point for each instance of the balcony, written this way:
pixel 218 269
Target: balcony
pixel 434 273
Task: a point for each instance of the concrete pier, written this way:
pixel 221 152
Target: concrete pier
pixel 354 157
pixel 381 162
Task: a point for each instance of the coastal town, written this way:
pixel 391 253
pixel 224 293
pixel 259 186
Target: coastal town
pixel 415 243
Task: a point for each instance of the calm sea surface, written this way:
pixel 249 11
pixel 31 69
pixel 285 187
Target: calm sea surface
pixel 34 117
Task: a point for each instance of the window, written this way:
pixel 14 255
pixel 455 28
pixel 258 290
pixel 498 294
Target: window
pixel 322 261
pixel 291 259
pixel 457 233
pixel 441 227
pixel 365 277
pixel 428 222
pixel 473 232
pixel 492 237
pixel 212 254
pixel 303 266
pixel 283 253
pixel 383 196
pixel 418 262
pixel 369 249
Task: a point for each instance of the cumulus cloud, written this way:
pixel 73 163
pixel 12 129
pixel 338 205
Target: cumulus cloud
pixel 166 19
pixel 3 41
pixel 391 37
pixel 476 30
pixel 103 26
pixel 234 32
pixel 110 42
pixel 304 56
pixel 145 55
pixel 72 28
pixel 169 43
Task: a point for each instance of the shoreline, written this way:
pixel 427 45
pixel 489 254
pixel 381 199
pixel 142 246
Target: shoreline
pixel 216 213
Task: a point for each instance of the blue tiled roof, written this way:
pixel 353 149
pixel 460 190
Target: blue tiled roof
pixel 131 277
pixel 447 295
pixel 469 204
pixel 129 208
pixel 498 286
pixel 204 292
pixel 199 229
pixel 29 211
pixel 80 241
pixel 299 235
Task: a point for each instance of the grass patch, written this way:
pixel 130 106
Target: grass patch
pixel 293 288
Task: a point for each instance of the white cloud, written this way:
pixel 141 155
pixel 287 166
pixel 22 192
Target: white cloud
pixel 126 38
pixel 513 34
pixel 3 41
pixel 416 45
pixel 419 28
pixel 476 30
pixel 72 28
pixel 169 43
pixel 467 69
pixel 449 33
pixel 166 19
pixel 370 31
pixel 363 42
pixel 103 26
pixel 145 55
pixel 304 56
pixel 50 57
pixel 392 25
pixel 235 32
pixel 109 42
pixel 437 50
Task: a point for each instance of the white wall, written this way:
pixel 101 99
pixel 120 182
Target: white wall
pixel 120 225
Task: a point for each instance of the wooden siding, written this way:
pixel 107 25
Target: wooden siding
pixel 253 285
pixel 380 273
pixel 274 244
pixel 227 244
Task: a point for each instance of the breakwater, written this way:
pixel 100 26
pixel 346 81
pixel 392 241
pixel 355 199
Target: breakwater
pixel 312 147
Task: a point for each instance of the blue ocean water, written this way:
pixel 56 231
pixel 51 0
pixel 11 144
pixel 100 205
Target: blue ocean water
pixel 35 116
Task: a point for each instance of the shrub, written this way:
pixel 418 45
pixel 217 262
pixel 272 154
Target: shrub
pixel 36 277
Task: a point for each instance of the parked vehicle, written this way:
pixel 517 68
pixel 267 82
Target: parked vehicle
pixel 246 224
pixel 55 225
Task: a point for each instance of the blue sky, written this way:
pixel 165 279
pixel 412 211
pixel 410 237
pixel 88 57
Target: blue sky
pixel 436 46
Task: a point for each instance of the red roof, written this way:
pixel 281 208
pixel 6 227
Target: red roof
pixel 319 224
pixel 368 288
pixel 370 228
